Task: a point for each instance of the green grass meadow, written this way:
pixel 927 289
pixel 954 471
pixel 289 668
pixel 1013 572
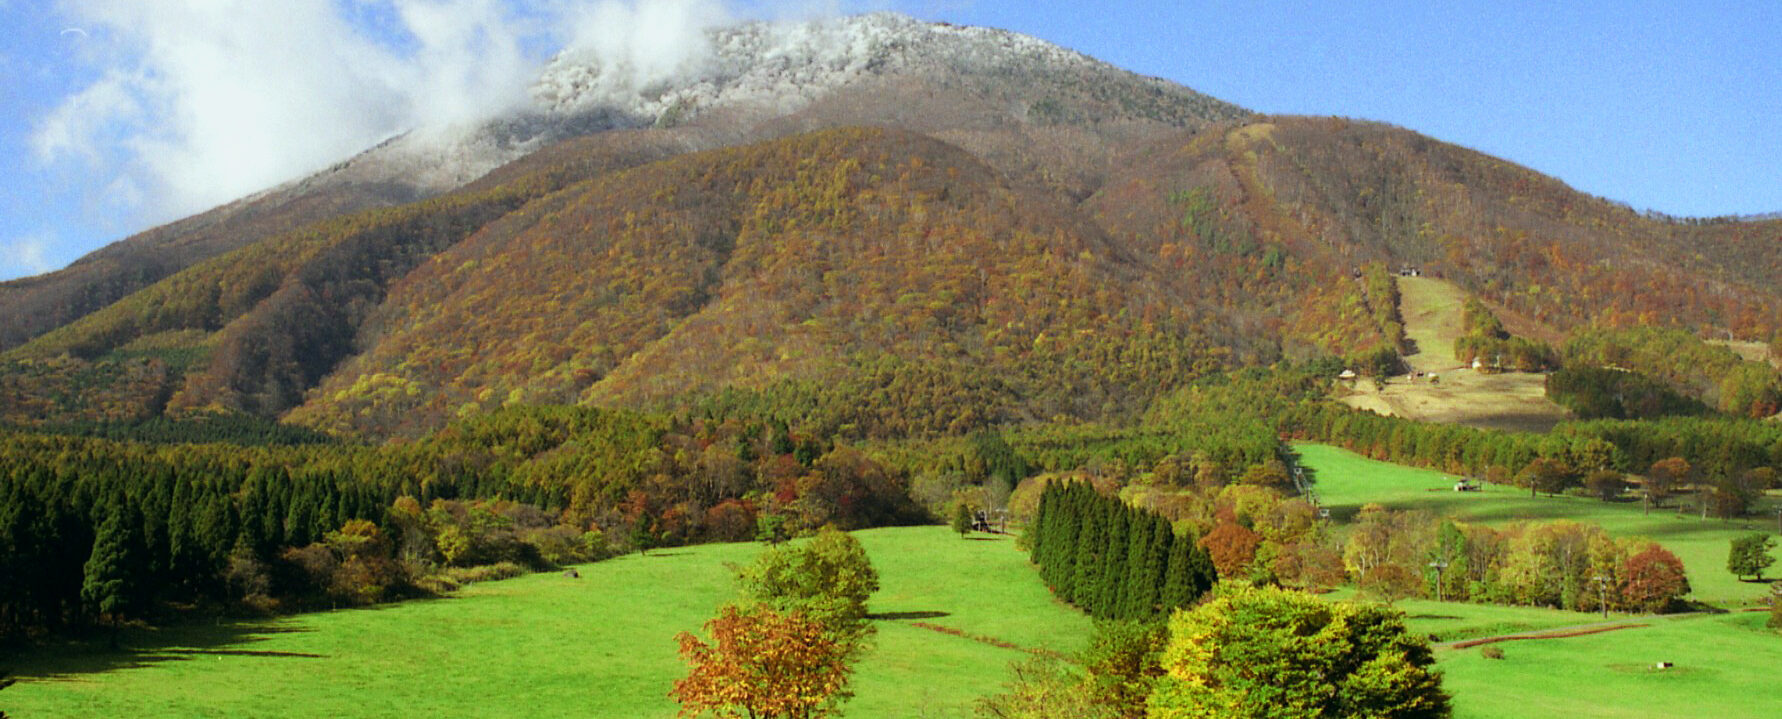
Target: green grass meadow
pixel 1724 667
pixel 547 645
pixel 1345 481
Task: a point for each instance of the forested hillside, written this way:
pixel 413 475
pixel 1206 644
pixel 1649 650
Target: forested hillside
pixel 953 230
pixel 1336 194
pixel 907 284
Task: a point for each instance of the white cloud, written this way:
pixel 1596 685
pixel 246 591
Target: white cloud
pixel 469 64
pixel 649 40
pixel 106 106
pixel 28 255
pixel 199 102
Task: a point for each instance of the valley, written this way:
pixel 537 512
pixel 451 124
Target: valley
pixel 484 418
pixel 601 643
pixel 598 645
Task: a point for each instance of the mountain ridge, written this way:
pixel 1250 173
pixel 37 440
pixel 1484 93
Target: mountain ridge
pixel 421 164
pixel 1002 231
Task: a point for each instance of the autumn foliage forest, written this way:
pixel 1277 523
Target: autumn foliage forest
pixel 616 344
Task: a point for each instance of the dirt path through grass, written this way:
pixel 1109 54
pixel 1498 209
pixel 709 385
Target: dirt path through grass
pixel 1578 630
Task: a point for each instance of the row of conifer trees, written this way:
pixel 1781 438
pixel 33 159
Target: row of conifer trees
pixel 1113 560
pixel 92 529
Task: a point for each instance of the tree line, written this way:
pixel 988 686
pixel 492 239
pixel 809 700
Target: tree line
pixel 1683 362
pixel 1485 340
pixel 94 531
pixel 1560 564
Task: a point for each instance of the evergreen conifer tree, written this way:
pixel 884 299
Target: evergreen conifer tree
pixel 1062 562
pixel 1092 540
pixel 1178 579
pixel 1036 531
pixel 1113 578
pixel 962 519
pixel 1202 574
pixel 111 585
pixel 1144 566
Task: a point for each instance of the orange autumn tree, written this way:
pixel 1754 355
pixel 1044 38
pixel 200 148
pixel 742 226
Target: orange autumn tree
pixel 1232 547
pixel 763 664
pixel 1653 579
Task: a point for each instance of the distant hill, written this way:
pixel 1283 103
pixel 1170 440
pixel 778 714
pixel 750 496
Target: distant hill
pixel 880 226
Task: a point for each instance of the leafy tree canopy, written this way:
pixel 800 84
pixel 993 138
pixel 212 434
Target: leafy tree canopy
pixel 828 578
pixel 1750 555
pixel 1271 652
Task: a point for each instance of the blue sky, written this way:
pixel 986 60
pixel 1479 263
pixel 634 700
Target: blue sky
pixel 123 114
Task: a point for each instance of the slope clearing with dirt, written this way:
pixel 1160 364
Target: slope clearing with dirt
pixel 1440 388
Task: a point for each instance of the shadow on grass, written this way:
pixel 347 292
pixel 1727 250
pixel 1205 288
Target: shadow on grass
pixel 1431 616
pixel 139 647
pixel 905 616
pixel 246 653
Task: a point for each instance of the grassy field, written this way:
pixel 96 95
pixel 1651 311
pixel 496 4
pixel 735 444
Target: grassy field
pixel 1346 481
pixel 547 645
pixel 601 645
pixel 1453 621
pixel 1724 668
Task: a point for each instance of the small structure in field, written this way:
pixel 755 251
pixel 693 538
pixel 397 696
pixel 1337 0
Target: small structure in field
pixel 993 522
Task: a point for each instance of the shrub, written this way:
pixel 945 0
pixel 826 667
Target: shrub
pixel 437 584
pixel 485 573
pixel 561 545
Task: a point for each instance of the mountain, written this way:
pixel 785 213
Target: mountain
pixel 995 92
pixel 877 226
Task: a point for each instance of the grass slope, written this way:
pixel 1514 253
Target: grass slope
pixel 1346 481
pixel 1724 667
pixel 1454 621
pixel 1432 313
pixel 601 645
pixel 1431 309
pixel 1751 351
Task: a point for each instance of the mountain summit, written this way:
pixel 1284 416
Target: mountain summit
pixel 737 84
pixel 881 226
pixel 760 79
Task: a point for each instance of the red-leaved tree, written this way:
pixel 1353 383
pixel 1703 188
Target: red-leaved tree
pixel 1232 547
pixel 1652 579
pixel 762 664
